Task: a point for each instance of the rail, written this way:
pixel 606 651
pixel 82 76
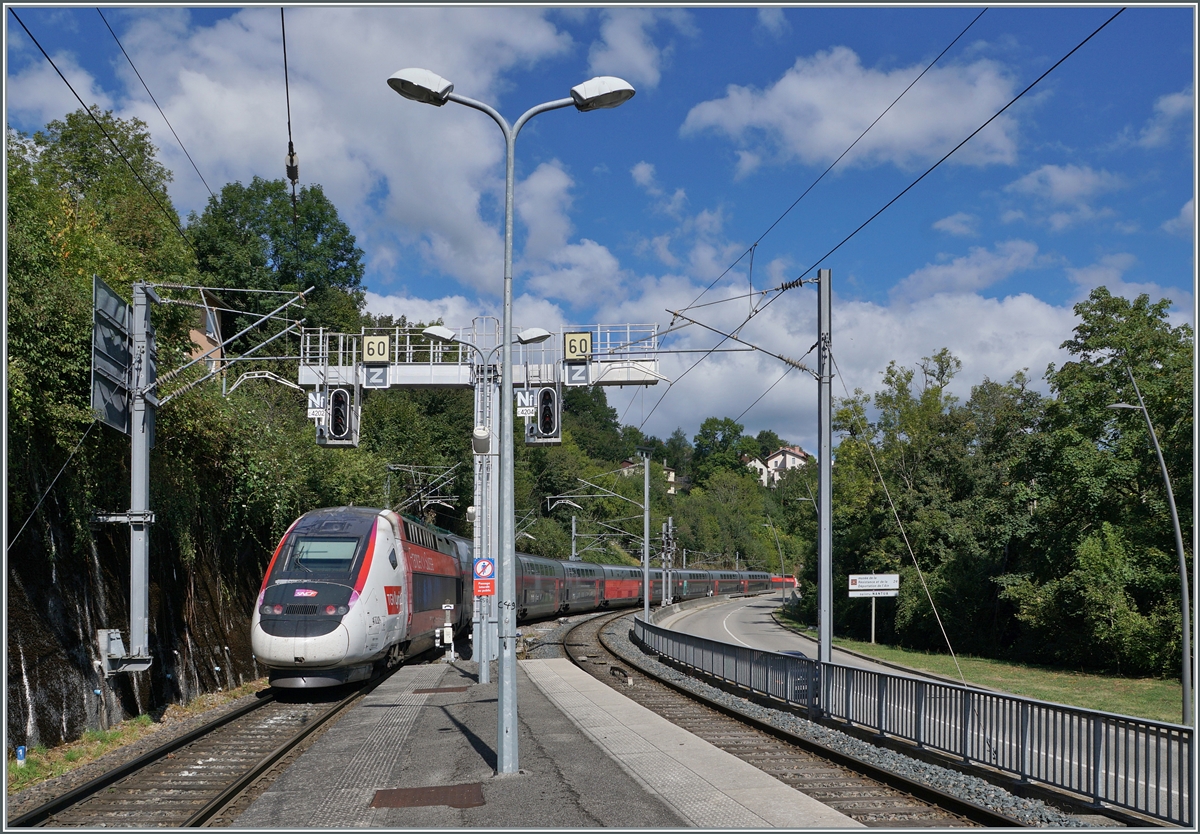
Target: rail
pixel 1132 763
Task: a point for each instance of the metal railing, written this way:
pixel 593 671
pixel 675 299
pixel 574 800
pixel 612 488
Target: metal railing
pixel 1133 763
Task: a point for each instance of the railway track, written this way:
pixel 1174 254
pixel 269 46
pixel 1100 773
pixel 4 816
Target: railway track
pixel 864 792
pixel 202 778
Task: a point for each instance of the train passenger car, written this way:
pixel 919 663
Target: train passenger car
pixel 726 582
pixel 540 585
pixel 584 586
pixel 622 586
pixel 350 588
pixel 690 584
pixel 754 581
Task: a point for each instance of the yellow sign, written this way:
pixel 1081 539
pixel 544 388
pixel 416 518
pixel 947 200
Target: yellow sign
pixel 577 347
pixel 376 349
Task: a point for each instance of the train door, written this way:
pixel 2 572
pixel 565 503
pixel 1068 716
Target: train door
pixel 393 597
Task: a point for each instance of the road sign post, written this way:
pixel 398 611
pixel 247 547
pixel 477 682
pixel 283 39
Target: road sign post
pixel 874 585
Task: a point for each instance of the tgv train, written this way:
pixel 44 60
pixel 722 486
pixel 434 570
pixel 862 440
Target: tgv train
pixel 350 589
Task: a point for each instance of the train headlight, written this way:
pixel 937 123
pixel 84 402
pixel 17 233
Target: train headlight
pixel 329 609
pixel 277 609
pixel 341 609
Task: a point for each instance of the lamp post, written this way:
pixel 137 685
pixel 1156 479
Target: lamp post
pixel 483 635
pixel 1186 672
pixel 782 571
pixel 603 92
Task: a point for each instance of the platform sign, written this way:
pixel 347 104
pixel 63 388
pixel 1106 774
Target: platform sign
pixel 577 347
pixel 575 375
pixel 316 405
pixel 112 352
pixel 375 349
pixel 874 584
pixel 526 406
pixel 375 376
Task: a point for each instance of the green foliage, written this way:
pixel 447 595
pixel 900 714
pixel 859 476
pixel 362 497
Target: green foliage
pixel 253 237
pixel 720 446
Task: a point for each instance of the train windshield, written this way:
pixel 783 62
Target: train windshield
pixel 314 554
pixel 326 545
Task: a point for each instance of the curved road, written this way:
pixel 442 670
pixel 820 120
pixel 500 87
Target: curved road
pixel 747 621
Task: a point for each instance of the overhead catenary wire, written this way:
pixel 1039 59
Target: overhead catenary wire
pixel 849 147
pixel 174 220
pixel 153 99
pixel 800 279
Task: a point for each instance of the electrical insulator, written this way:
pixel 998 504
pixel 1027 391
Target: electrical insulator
pixel 292 164
pixel 339 414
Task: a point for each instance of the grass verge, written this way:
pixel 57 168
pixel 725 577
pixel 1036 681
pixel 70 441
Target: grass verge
pixel 42 763
pixel 1154 698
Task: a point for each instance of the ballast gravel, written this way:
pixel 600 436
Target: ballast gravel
pixel 548 644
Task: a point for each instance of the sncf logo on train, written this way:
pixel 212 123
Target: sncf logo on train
pixel 305 592
pixel 391 593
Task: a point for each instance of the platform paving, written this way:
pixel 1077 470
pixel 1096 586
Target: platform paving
pixel 589 757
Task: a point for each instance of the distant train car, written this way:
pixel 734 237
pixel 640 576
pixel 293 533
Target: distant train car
pixel 350 590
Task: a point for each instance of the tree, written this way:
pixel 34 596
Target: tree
pixel 251 237
pixel 593 423
pixel 719 447
pixel 769 443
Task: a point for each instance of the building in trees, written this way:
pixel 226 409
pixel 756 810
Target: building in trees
pixel 772 469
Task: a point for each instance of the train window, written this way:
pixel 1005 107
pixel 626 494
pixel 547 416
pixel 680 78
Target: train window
pixel 315 554
pixel 430 591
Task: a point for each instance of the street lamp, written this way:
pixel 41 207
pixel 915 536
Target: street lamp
pixel 1186 676
pixel 782 571
pixel 599 93
pixel 481 442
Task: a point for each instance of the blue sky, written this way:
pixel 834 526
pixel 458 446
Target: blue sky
pixel 622 214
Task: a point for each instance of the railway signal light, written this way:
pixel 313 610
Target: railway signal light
pixel 339 413
pixel 547 412
pixel 544 427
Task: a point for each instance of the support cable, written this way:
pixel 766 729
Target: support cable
pixel 292 166
pixel 900 524
pixel 800 280
pixel 778 220
pixel 33 512
pixel 174 220
pixel 153 99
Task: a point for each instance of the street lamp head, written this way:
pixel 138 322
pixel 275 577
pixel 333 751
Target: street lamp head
pixel 440 333
pixel 601 93
pixel 421 85
pixel 1126 405
pixel 533 335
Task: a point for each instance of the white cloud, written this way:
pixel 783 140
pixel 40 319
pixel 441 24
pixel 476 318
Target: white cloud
pixel 960 224
pixel 37 94
pixel 772 21
pixel 823 103
pixel 969 273
pixel 402 174
pixel 542 202
pixel 626 47
pixel 1110 270
pixel 1072 185
pixel 994 338
pixel 453 310
pixel 1070 190
pixel 1168 110
pixel 1183 224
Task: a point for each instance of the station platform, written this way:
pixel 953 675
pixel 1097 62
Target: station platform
pixel 420 752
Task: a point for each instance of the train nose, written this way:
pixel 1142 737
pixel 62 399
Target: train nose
pixel 303 643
